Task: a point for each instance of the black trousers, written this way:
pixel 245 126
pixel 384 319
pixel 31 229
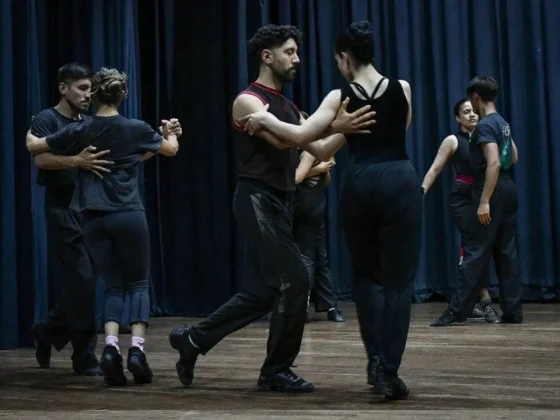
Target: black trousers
pixel 73 320
pixel 276 278
pixel 497 240
pixel 310 235
pixel 381 209
pixel 119 244
pixel 460 202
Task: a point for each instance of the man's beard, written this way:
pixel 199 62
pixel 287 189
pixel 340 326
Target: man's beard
pixel 286 76
pixel 77 109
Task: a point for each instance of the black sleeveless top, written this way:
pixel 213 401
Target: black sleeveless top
pixel 387 141
pixel 257 158
pixel 461 158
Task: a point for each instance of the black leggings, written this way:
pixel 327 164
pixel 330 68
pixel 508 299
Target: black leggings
pixel 119 244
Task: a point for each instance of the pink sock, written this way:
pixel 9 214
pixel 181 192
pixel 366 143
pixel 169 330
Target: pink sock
pixel 138 342
pixel 111 340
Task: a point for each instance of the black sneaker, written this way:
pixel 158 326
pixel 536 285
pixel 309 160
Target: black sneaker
pixel 378 378
pixel 285 380
pixel 478 311
pixel 335 315
pixel 111 364
pixel 86 365
pixel 179 340
pixel 448 317
pixel 42 347
pixel 137 364
pixel 400 390
pixel 84 361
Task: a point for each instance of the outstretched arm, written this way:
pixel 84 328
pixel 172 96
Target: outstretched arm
pixel 331 114
pixel 165 144
pixel 445 152
pixel 87 159
pixel 247 104
pixel 63 142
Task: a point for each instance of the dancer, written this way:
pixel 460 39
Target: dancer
pixel 455 148
pixel 492 228
pixel 115 229
pixel 73 318
pixel 276 278
pixel 312 179
pixel 380 202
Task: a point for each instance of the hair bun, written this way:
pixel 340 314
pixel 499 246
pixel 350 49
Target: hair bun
pixel 113 85
pixel 360 30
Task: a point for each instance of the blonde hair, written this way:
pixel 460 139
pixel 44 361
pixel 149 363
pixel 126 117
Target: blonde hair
pixel 109 86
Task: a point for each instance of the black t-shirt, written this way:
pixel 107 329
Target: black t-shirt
pixel 490 129
pixel 47 122
pixel 128 140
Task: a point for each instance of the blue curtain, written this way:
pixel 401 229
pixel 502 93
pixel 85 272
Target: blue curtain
pixel 9 320
pixel 188 60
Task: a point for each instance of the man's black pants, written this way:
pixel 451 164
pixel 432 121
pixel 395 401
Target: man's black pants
pixel 73 320
pixel 497 240
pixel 276 278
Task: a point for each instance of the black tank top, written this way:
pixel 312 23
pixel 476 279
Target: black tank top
pixel 387 141
pixel 461 158
pixel 257 158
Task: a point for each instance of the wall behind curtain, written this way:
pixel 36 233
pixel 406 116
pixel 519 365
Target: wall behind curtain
pixel 188 60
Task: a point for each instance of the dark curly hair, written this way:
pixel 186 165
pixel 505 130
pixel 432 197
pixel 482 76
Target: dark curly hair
pixel 357 40
pixel 459 105
pixel 109 87
pixel 272 36
pixel 486 87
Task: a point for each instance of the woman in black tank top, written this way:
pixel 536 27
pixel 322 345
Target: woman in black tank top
pixel 455 148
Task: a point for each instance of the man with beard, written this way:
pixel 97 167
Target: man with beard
pixel 73 319
pixel 276 277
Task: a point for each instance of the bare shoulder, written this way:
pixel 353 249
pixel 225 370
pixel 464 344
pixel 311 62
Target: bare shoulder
pixel 406 87
pixel 404 84
pixel 450 142
pixel 246 103
pixel 333 98
pixel 249 100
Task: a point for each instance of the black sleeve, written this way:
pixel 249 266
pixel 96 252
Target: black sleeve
pixel 43 124
pixel 485 134
pixel 148 140
pixel 68 141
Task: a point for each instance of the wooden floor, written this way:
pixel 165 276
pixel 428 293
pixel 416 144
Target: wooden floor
pixel 469 371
